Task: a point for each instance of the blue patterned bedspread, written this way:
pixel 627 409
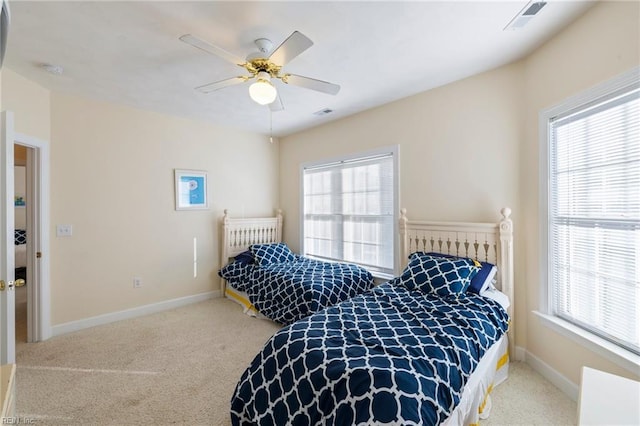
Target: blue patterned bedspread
pixel 286 292
pixel 390 355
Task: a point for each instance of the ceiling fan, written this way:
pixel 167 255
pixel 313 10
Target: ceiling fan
pixel 264 66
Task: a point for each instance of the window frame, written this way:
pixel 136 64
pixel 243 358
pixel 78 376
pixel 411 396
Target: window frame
pixel 615 353
pixel 394 150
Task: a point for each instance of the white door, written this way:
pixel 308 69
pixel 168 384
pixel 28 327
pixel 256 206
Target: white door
pixel 7 253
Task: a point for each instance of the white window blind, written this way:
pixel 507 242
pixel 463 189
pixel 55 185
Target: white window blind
pixel 349 212
pixel 594 217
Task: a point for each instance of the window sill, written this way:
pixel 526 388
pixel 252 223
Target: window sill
pixel 381 277
pixel 621 357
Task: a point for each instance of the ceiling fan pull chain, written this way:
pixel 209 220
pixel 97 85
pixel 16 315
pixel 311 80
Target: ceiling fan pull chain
pixel 270 126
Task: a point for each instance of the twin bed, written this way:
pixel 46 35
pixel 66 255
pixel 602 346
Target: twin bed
pixel 424 348
pixel 267 278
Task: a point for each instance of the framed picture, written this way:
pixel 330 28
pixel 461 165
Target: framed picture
pixel 19 201
pixel 191 189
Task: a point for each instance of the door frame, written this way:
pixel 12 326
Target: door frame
pixel 38 213
pixel 7 260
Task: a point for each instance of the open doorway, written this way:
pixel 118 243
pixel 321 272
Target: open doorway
pixel 31 192
pixel 22 234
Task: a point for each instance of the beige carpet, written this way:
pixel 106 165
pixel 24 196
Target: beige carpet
pixel 181 367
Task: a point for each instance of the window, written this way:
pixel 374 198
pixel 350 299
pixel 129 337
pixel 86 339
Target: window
pixel 349 209
pixel 593 212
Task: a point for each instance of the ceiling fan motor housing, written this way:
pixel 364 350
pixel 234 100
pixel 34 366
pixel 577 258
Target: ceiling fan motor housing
pixel 264 47
pixel 258 62
pixel 254 66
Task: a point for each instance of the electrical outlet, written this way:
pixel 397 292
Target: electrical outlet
pixel 137 282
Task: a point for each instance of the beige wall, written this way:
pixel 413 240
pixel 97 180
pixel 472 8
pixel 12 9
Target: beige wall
pixel 459 152
pixel 112 179
pixel 458 148
pixel 30 104
pixel 471 147
pixel 602 44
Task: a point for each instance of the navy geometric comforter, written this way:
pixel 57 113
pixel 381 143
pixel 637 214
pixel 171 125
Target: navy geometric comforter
pixel 390 355
pixel 286 292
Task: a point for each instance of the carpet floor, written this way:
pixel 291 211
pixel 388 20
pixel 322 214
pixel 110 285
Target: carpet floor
pixel 181 367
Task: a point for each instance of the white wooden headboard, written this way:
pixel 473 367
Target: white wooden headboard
pixel 489 242
pixel 239 233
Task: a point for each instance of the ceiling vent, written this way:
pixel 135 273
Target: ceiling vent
pixel 323 112
pixel 524 16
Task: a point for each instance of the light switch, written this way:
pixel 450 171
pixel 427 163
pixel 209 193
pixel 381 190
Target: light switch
pixel 64 230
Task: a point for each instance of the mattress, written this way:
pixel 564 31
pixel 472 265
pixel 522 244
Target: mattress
pixel 241 298
pixel 475 403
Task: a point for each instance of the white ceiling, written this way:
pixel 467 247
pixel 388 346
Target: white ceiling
pixel 378 52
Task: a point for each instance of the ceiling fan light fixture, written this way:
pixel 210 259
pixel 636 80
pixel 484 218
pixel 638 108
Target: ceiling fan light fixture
pixel 262 91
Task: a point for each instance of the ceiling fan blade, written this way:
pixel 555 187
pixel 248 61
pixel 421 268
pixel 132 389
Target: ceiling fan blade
pixel 211 87
pixel 276 105
pixel 294 45
pixel 312 83
pixel 210 48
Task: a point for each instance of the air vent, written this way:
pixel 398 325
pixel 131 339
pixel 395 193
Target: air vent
pixel 323 112
pixel 534 8
pixel 524 16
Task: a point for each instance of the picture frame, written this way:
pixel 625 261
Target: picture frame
pixel 191 190
pixel 19 201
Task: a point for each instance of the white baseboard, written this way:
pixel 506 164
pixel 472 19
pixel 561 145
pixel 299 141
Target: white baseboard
pixel 521 354
pixel 546 371
pixel 139 311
